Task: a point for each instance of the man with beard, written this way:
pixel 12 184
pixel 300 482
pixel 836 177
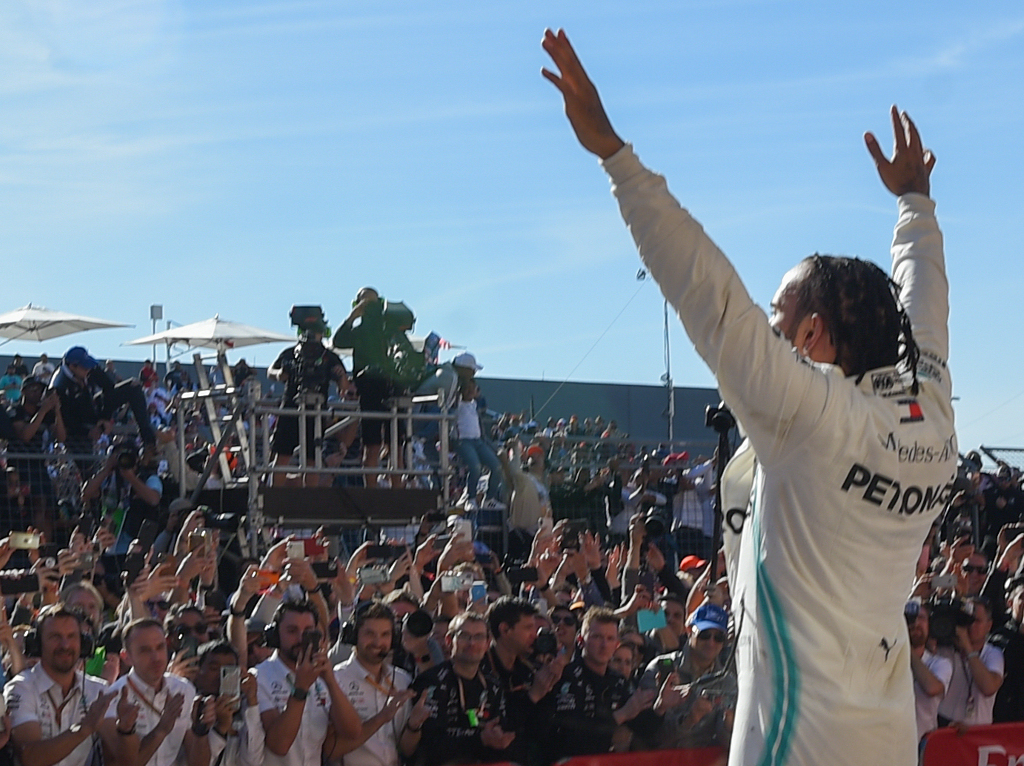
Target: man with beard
pixel 377 690
pixel 931 672
pixel 513 624
pixel 161 717
pixel 55 709
pixel 299 697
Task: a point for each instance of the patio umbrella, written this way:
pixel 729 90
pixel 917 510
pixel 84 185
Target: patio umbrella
pixel 40 324
pixel 216 333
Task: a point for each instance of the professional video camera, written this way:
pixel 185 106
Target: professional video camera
pixel 127 453
pixel 945 615
pixel 309 351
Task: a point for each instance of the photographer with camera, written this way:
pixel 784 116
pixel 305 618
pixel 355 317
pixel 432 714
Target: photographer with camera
pixel 307 371
pixel 977 668
pixel 127 488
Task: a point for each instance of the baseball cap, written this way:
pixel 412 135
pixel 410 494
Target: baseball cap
pixel 691 562
pixel 78 355
pixel 710 617
pixel 534 450
pixel 465 359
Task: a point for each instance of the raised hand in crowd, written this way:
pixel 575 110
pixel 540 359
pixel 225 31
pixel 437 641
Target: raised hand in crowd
pixel 671 695
pixel 6 551
pixel 97 710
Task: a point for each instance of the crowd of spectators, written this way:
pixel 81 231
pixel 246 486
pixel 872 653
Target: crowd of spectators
pixel 601 627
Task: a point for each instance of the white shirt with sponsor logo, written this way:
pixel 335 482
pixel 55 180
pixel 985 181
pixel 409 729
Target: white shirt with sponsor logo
pixel 849 476
pixel 32 696
pixel 964 701
pixel 368 696
pixel 151 705
pixel 274 682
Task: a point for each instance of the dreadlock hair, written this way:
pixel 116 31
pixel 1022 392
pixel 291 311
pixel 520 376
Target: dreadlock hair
pixel 861 307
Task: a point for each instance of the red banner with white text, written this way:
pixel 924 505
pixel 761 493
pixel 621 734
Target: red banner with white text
pixel 1001 744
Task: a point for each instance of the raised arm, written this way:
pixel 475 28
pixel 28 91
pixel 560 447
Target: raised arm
pixel 918 263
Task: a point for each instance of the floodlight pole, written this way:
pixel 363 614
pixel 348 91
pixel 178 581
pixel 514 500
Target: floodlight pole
pixel 156 313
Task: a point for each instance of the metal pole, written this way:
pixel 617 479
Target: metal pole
pixel 668 380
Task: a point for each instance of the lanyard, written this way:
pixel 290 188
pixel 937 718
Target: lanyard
pixel 473 714
pixel 386 692
pixel 143 697
pixel 58 710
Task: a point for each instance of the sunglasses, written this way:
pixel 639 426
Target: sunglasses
pixel 200 629
pixel 567 620
pixel 711 635
pixel 975 570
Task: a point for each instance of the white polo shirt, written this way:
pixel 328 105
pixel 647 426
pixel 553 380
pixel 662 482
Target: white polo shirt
pixel 274 682
pixel 151 705
pixel 369 696
pixel 32 696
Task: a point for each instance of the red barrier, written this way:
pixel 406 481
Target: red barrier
pixel 1001 744
pixel 702 757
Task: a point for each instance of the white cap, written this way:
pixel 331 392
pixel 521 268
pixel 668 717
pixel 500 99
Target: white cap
pixel 465 359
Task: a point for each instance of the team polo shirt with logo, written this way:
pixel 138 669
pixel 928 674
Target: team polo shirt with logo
pixel 151 706
pixel 274 682
pixel 368 696
pixel 33 696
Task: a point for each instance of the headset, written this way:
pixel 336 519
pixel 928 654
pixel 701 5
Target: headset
pixel 34 636
pixel 350 629
pixel 272 632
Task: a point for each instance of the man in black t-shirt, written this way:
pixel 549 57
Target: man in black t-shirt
pixel 591 705
pixel 459 711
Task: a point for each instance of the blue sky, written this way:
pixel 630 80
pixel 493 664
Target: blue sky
pixel 237 158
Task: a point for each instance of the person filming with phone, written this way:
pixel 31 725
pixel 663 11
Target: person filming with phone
pixel 299 697
pixel 236 737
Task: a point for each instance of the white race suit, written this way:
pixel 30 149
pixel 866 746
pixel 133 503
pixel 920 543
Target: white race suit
pixel 849 477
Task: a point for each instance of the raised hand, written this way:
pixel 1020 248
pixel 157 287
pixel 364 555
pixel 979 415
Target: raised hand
pixel 127 712
pixel 582 103
pixel 911 164
pixel 169 717
pixel 494 737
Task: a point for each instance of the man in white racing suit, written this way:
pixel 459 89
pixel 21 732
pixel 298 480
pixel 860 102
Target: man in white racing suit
pixel 845 399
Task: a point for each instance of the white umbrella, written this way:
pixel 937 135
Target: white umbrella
pixel 40 324
pixel 214 333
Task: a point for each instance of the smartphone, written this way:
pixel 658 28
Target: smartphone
pixel 196 540
pixel 463 528
pixel 478 591
pixel 313 547
pixel 295 549
pixel 147 534
pixel 231 684
pixel 267 578
pixel 3 711
pixel 325 570
pixel 188 644
pixel 133 564
pixel 665 668
pixel 26 541
pixel 441 541
pixel 944 582
pixel 312 638
pixel 372 575
pixel 518 575
pixel 545 526
pixel 384 552
pixel 15 586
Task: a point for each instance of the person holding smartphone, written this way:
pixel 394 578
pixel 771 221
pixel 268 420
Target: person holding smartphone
pixel 236 737
pixel 299 697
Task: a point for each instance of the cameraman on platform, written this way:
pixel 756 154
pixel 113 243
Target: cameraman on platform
pixel 977 669
pixel 308 368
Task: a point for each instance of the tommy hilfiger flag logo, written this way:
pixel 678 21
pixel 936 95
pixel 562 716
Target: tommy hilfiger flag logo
pixel 911 411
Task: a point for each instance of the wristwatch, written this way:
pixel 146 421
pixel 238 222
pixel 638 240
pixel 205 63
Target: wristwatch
pixel 300 694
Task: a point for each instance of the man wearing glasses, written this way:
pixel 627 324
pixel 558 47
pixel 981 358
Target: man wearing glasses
pixel 683 715
pixel 459 712
pixel 565 626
